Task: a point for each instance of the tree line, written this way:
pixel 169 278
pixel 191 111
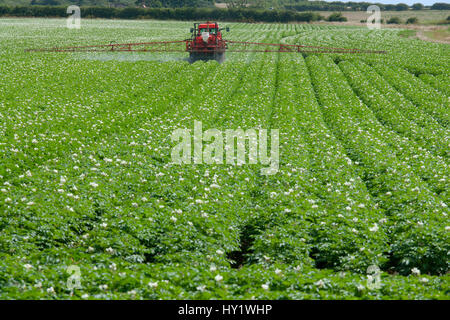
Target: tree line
pixel 297 5
pixel 231 14
pixel 360 6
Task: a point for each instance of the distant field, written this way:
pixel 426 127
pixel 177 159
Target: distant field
pixel 424 16
pixel 87 180
pixel 441 35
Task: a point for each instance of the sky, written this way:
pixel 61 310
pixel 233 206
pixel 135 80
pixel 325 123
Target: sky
pixel 409 2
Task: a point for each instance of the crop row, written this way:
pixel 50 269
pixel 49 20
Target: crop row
pixel 421 94
pixel 428 125
pixel 378 110
pixel 439 82
pixel 416 216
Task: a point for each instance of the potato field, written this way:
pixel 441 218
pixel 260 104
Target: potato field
pixel 89 194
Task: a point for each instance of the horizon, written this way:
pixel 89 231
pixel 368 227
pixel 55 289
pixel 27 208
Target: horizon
pixel 408 2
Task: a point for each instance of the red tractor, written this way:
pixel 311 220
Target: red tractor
pixel 206 42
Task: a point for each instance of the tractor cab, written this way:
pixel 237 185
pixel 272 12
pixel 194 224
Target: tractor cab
pixel 208 32
pixel 207 28
pixel 206 42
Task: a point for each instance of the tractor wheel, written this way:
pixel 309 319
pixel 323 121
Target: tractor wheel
pixel 192 57
pixel 220 57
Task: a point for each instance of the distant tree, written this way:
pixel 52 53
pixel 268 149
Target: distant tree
pixel 417 6
pixel 236 3
pixel 440 6
pixel 394 20
pixel 412 20
pixel 46 2
pixel 401 7
pixel 158 3
pixel 337 16
pixel 389 7
pixel 146 3
pixel 141 3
